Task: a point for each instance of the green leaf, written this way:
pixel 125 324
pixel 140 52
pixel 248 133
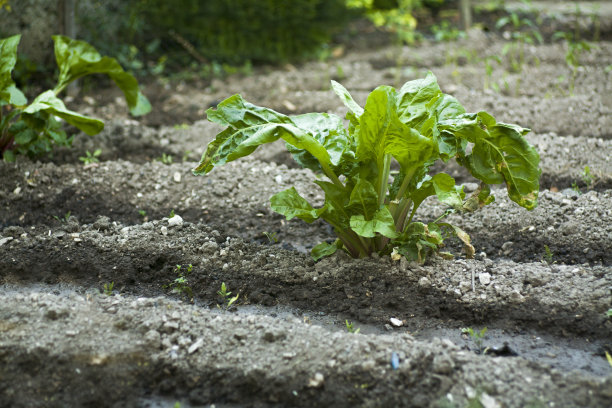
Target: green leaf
pixel 329 131
pixel 347 99
pixel 500 155
pixel 324 249
pixel 77 59
pixel 51 104
pixel 382 222
pixel 336 199
pixel 8 58
pixel 363 199
pixel 249 126
pixel 443 186
pixel 291 204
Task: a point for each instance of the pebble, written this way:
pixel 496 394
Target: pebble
pixel 177 177
pixel 424 282
pixel 316 381
pixel 164 230
pixel 516 297
pixel 484 278
pixel 396 322
pixel 195 346
pixel 175 221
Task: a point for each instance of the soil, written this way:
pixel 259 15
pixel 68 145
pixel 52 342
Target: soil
pixel 541 281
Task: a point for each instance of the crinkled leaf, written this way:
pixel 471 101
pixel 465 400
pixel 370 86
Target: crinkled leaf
pixel 443 186
pixel 464 237
pixel 76 59
pixel 500 154
pixel 249 126
pixel 382 222
pixel 479 198
pixel 291 204
pixel 329 131
pixel 8 58
pixel 419 241
pixel 325 249
pixel 51 104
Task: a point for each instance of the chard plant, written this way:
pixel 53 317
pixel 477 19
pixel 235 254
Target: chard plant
pixel 370 209
pixel 34 128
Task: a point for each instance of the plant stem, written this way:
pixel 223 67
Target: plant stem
pixel 383 180
pixel 331 175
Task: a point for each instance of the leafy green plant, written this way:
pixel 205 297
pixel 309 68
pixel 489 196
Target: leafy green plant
pixel 523 32
pixel 446 32
pixel 90 158
pixel 350 327
pixel 476 336
pixel 180 285
pixel 33 129
pixel 413 127
pixel 488 80
pixel 108 288
pixel 575 48
pixel 228 301
pixel 395 17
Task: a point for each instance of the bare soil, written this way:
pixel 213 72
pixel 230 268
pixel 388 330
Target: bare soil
pixel 541 281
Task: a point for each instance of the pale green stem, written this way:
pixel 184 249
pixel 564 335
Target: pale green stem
pixel 383 180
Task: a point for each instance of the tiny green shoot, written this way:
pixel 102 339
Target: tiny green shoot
pixel 90 158
pixel 65 218
pixel 142 213
pixel 180 285
pixel 225 294
pixel 476 336
pixel 272 238
pixel 165 159
pixel 548 255
pixel 108 288
pixel 171 213
pixel 350 327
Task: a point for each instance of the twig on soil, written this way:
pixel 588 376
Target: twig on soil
pixel 187 46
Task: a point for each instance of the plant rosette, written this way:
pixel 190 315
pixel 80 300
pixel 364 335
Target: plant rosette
pixel 370 209
pixel 34 129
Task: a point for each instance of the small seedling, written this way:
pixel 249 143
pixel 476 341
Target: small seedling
pixel 609 313
pixel 226 295
pixel 171 213
pixel 272 238
pixel 548 255
pixel 165 159
pixel 90 158
pixel 476 336
pixel 180 285
pixel 64 219
pixel 350 327
pixel 182 126
pixel 108 288
pixel 587 177
pixel 142 213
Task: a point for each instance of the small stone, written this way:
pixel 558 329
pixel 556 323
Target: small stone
pixel 195 346
pixel 465 287
pixel 488 401
pixel 484 278
pixel 516 297
pixel 5 240
pixel 316 381
pixel 175 221
pixel 177 177
pixel 164 230
pixel 424 282
pixel 396 322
